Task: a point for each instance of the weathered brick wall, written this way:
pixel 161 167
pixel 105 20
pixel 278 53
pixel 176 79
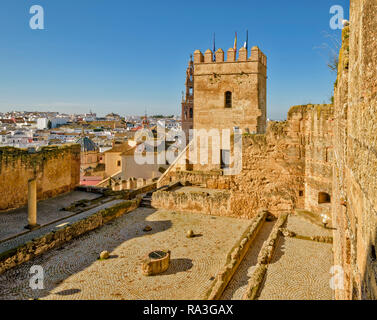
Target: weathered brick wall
pixel 282 170
pixel 57 170
pixel 317 128
pixel 217 204
pixel 355 170
pixel 273 171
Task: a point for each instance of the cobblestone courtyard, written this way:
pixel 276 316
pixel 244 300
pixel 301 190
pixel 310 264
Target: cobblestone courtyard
pixel 73 271
pixel 300 269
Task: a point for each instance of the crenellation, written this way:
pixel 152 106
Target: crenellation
pixel 242 55
pixel 244 78
pixel 198 57
pixel 220 56
pixel 231 55
pixel 208 56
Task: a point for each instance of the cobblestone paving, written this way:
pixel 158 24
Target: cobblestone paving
pixel 300 269
pixel 24 238
pixel 73 271
pixel 305 228
pixel 237 286
pixel 13 222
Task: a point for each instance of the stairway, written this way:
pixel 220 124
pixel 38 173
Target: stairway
pixel 146 201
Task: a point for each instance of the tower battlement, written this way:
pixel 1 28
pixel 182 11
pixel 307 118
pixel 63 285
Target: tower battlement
pixel 256 55
pixel 230 92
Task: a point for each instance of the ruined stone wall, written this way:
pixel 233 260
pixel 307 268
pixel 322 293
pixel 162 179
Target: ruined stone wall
pixel 57 170
pixel 282 170
pixel 216 204
pixel 317 130
pixel 355 154
pixel 289 166
pixel 273 171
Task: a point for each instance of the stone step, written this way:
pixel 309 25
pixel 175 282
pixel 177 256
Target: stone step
pixel 146 203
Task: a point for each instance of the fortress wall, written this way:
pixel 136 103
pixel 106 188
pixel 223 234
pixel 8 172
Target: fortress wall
pixel 282 170
pixel 355 170
pixel 289 166
pixel 57 170
pixel 273 171
pixel 318 135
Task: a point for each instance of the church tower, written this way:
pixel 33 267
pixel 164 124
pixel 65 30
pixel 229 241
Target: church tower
pixel 188 101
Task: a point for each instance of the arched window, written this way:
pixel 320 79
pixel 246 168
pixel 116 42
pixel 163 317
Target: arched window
pixel 324 197
pixel 228 99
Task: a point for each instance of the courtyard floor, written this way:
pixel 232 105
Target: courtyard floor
pixel 73 271
pixel 300 269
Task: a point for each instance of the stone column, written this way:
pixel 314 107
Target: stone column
pixel 32 204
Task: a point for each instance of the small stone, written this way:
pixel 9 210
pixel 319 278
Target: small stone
pixel 104 255
pixel 190 234
pixel 147 229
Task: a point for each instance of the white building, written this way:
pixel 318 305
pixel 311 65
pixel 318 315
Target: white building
pixel 43 123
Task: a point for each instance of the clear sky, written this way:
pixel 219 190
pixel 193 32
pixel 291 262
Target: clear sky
pixel 125 56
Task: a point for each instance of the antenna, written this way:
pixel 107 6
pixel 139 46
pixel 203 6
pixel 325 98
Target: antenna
pixel 214 46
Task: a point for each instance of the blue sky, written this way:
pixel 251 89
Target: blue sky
pixel 126 56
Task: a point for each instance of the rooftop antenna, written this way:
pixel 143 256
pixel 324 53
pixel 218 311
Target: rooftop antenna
pixel 214 46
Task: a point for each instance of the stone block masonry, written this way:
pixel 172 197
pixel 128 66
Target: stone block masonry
pixel 197 201
pixel 286 168
pixel 355 154
pixel 56 170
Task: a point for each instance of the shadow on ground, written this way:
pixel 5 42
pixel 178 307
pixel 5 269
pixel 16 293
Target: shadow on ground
pixel 15 283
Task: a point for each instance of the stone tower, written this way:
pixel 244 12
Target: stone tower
pixel 230 93
pixel 188 101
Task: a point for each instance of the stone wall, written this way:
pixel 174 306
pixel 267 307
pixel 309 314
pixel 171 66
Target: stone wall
pixel 318 135
pixel 355 154
pixel 57 170
pixel 209 179
pixel 282 170
pixel 273 171
pixel 216 203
